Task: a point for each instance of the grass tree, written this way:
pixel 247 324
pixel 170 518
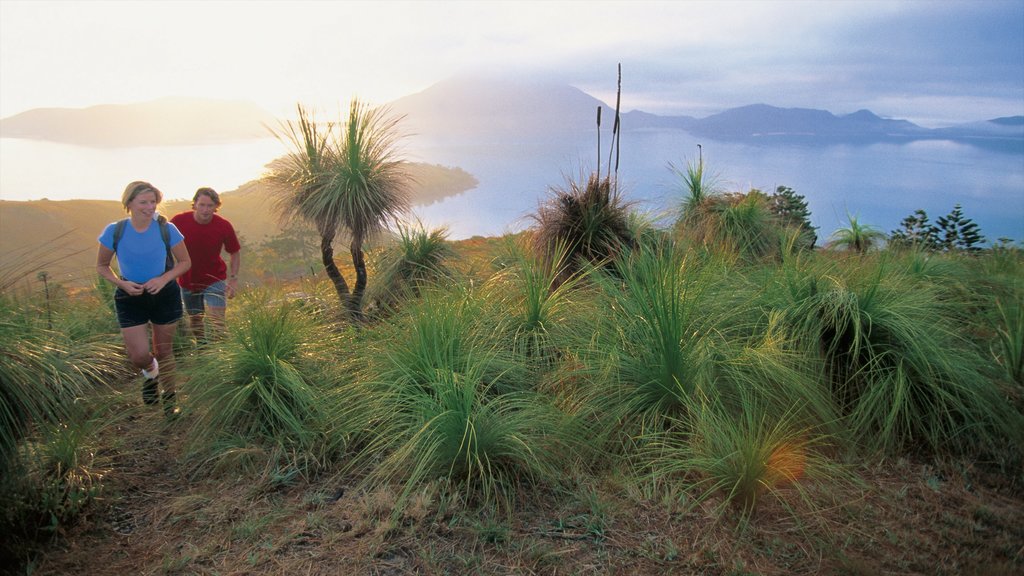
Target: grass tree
pixel 535 300
pixel 346 180
pixel 745 225
pixel 901 373
pixel 588 221
pixel 51 390
pixel 856 237
pixel 744 451
pixel 416 259
pixel 697 186
pixel 267 384
pixel 453 404
pixel 655 345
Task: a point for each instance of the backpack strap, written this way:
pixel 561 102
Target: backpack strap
pixel 165 233
pixel 119 232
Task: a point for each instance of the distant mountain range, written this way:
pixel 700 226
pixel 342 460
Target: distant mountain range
pixel 477 108
pixel 163 122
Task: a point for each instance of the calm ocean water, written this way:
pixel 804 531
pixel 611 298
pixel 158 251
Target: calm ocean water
pixel 880 183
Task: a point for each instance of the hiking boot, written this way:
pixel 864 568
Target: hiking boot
pixel 171 410
pixel 149 392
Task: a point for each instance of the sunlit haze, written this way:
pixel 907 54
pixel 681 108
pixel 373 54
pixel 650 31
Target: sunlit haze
pixel 934 63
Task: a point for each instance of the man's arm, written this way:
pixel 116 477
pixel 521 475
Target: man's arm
pixel 233 266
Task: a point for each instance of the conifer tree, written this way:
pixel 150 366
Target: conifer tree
pixel 916 232
pixel 958 232
pixel 791 210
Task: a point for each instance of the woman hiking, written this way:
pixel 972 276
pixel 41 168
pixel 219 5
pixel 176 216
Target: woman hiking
pixel 150 257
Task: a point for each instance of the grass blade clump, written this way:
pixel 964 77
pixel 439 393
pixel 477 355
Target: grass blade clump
pixel 1010 351
pixel 454 403
pixel 658 341
pixel 418 258
pixel 492 445
pixel 589 221
pixel 44 372
pixel 537 300
pixel 446 330
pixel 743 453
pixel 900 372
pixel 266 382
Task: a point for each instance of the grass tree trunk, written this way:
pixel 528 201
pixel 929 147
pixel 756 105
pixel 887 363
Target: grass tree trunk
pixel 327 255
pixel 359 263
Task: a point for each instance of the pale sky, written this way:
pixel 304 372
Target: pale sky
pixel 933 62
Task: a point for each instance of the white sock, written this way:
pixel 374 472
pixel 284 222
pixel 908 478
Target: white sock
pixel 153 372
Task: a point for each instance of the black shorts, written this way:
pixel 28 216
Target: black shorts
pixel 161 308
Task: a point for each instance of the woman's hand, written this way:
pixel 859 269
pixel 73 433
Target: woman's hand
pixel 131 288
pixel 155 285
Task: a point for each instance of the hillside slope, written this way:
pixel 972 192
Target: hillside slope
pixel 61 235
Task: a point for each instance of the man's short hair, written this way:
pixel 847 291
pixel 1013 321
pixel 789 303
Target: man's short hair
pixel 210 192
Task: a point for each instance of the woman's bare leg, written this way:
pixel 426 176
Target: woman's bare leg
pixel 163 345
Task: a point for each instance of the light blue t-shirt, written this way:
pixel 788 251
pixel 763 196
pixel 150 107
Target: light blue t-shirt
pixel 140 256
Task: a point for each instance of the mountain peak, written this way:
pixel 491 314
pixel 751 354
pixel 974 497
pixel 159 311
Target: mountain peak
pixel 467 105
pixel 863 115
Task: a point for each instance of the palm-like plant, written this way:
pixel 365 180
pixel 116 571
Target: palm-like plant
pixel 697 186
pixel 591 221
pixel 856 237
pixel 264 384
pixel 416 259
pixel 900 372
pixel 351 182
pixel 744 451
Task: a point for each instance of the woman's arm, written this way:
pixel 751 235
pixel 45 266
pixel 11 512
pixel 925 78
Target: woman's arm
pixel 103 258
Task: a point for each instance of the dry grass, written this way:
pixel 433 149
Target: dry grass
pixel 909 518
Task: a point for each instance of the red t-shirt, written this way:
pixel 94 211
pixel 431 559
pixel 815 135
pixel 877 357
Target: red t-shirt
pixel 204 243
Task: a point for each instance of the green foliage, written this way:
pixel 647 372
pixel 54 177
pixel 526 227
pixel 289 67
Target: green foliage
pixel 952 232
pixel 743 452
pixel 266 383
pixel 1009 352
pixel 956 232
pixel 697 188
pixel 43 372
pixel 535 302
pixel 417 259
pixel 900 372
pixel 791 211
pixel 743 224
pixel 661 343
pixel 857 237
pixel 916 233
pixel 347 181
pixel 452 404
pixel 490 443
pixel 449 329
pixel 751 226
pixel 589 221
pixel 51 484
pixel 674 327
